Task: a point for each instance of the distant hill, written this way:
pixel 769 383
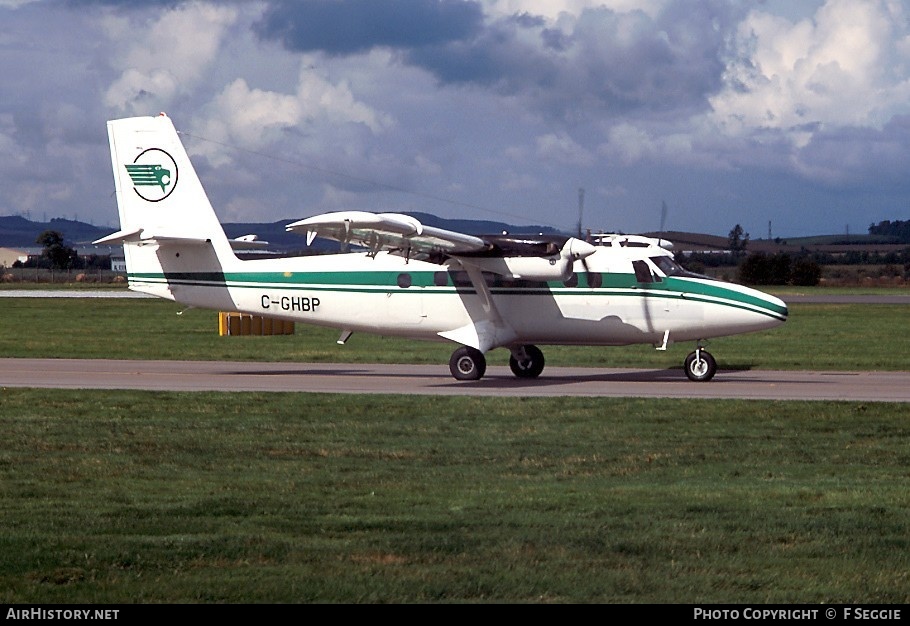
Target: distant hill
pixel 832 244
pixel 19 232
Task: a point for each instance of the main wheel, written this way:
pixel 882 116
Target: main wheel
pixel 700 366
pixel 468 364
pixel 527 365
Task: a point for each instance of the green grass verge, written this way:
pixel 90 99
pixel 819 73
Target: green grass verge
pixel 817 336
pixel 126 497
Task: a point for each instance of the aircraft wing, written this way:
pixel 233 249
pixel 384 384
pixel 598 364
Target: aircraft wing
pixel 543 258
pixel 387 231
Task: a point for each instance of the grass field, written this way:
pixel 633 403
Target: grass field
pixel 145 497
pixel 122 497
pixel 831 337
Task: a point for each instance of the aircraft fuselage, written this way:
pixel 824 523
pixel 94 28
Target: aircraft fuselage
pixel 389 295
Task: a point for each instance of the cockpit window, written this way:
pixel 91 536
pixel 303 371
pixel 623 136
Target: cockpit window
pixel 671 268
pixel 667 265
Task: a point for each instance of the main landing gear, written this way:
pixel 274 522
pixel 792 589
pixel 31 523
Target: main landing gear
pixel 526 361
pixel 470 364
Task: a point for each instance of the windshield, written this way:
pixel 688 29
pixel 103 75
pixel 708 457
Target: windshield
pixel 671 268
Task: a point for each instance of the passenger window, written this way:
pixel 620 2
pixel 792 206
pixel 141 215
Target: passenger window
pixel 404 281
pixel 440 279
pixel 571 281
pixel 460 278
pixel 595 280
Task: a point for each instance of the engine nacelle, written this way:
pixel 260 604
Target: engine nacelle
pixel 547 268
pixel 526 268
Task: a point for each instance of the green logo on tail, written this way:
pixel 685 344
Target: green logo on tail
pixel 146 175
pixel 153 174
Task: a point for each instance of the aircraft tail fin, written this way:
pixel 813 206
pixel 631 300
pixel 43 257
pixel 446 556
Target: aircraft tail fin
pixel 167 224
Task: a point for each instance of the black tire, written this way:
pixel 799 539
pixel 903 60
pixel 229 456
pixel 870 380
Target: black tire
pixel 468 364
pixel 700 366
pixel 532 367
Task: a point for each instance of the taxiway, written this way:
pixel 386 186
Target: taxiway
pixel 436 380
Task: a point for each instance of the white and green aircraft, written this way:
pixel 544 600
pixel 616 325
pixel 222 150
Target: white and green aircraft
pixel 417 281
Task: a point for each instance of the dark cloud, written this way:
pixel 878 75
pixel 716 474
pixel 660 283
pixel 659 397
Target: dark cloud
pixel 603 61
pixel 340 27
pixel 607 61
pixel 846 157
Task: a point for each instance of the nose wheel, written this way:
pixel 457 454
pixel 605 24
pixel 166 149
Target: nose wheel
pixel 700 366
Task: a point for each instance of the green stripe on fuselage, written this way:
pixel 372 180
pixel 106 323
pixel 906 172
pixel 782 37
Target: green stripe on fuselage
pixel 612 284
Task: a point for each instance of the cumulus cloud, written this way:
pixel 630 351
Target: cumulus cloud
pixel 14 4
pixel 252 117
pixel 560 148
pixel 847 66
pixel 171 53
pixel 552 9
pixel 814 98
pixel 9 150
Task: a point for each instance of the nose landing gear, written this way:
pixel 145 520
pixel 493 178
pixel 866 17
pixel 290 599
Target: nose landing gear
pixel 700 366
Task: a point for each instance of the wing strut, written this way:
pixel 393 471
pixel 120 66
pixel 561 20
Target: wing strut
pixel 487 329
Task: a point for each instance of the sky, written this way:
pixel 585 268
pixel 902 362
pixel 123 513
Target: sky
pixel 788 118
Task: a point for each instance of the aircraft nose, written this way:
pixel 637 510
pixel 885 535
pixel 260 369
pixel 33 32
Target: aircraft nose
pixel 774 308
pixel 783 309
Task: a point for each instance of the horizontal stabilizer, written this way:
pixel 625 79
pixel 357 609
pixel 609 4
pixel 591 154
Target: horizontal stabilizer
pixel 121 236
pixel 140 237
pixel 248 242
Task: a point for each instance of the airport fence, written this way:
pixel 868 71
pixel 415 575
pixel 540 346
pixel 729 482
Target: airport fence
pixel 40 275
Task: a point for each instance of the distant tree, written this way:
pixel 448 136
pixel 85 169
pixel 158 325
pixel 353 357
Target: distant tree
pixel 805 272
pixel 898 230
pixel 738 240
pixel 763 269
pixel 754 269
pixel 779 269
pixel 58 255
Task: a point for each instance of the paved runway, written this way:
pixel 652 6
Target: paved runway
pixel 436 380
